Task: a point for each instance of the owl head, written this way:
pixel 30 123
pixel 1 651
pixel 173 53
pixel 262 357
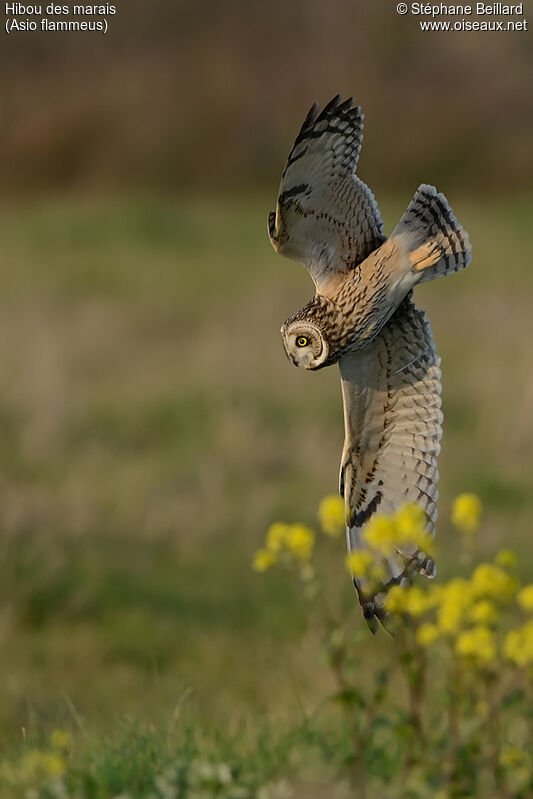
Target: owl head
pixel 308 336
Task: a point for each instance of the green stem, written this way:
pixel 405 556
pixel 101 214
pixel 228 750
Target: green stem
pixel 454 687
pixel 413 664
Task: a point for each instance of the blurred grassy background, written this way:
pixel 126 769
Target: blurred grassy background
pixel 151 426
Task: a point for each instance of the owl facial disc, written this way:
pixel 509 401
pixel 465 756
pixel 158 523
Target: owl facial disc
pixel 304 344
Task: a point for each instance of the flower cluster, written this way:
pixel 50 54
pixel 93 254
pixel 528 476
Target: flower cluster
pixel 466 513
pixel 407 528
pixel 386 536
pixel 518 645
pixel 331 515
pixel 293 545
pixel 45 766
pixel 469 615
pixel 471 635
pixel 285 543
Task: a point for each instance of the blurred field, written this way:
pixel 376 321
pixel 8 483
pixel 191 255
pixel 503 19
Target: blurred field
pixel 152 428
pixel 182 95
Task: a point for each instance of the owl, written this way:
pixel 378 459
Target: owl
pixel 363 318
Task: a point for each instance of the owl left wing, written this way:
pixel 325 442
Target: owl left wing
pixel 393 424
pixel 325 216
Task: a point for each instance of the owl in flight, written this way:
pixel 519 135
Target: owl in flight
pixel 363 317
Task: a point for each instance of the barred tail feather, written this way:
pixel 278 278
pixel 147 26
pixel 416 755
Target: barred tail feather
pixel 437 244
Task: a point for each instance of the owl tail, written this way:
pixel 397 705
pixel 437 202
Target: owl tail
pixel 437 244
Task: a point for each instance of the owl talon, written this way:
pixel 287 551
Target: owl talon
pixel 370 616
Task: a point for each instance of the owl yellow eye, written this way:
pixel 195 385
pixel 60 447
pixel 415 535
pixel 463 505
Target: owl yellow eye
pixel 302 341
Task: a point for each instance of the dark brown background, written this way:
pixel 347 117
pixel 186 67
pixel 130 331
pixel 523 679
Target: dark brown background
pixel 208 94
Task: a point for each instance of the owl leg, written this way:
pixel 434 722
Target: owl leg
pixel 373 611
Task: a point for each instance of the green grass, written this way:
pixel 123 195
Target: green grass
pixel 152 428
pixel 145 762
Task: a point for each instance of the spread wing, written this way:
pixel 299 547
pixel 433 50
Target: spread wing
pixel 326 217
pixel 393 423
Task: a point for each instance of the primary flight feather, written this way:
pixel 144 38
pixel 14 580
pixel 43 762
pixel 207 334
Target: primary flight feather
pixel 363 318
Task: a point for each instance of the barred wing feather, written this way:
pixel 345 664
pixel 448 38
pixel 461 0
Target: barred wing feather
pixel 325 216
pixel 393 423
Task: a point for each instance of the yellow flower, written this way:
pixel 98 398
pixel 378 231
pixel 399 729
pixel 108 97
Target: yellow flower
pixel 505 558
pixel 263 560
pixel 511 757
pixel 60 739
pixel 380 534
pixel 416 601
pixel 300 541
pixel 427 633
pixel 294 540
pixel 491 581
pixel 481 708
pixel 276 537
pixel 434 595
pixel 483 612
pixel 449 618
pixel 411 528
pixel 378 572
pixel 518 645
pixel 410 521
pixel 359 562
pixel 331 515
pixel 477 645
pixel 454 599
pixel 54 765
pixel 512 647
pixel 425 543
pixel 396 599
pixel 36 763
pixel 466 512
pixel 525 597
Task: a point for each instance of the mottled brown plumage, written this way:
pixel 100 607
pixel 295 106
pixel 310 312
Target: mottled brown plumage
pixel 363 318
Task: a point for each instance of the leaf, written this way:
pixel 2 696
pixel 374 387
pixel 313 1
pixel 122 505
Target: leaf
pixel 349 697
pixel 381 681
pixel 514 698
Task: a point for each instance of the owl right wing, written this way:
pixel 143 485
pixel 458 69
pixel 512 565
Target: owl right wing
pixel 325 216
pixel 393 424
